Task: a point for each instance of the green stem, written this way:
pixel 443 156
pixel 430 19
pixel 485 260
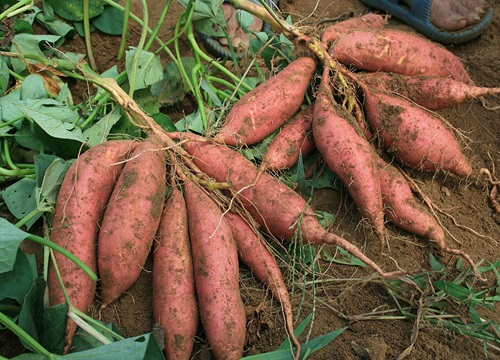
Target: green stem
pixel 140 46
pixel 159 24
pixel 86 31
pixel 28 217
pixel 8 159
pixel 64 252
pixel 32 343
pixel 126 18
pixel 17 8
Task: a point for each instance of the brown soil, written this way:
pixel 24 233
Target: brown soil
pixel 336 303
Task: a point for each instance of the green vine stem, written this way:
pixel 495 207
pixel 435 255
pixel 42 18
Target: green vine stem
pixel 126 18
pixel 86 31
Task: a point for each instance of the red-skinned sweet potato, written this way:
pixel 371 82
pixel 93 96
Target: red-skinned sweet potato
pixel 131 220
pixel 414 136
pixel 366 21
pixel 174 294
pixel 263 110
pixel 81 201
pixel 295 138
pixel 274 205
pixel 349 155
pixel 254 253
pixel 397 52
pixel 431 92
pixel 216 272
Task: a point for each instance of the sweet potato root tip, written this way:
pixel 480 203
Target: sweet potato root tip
pixel 216 271
pixel 83 195
pixel 131 219
pixel 264 109
pixel 262 263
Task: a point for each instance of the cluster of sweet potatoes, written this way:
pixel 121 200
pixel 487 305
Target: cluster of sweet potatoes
pixel 112 209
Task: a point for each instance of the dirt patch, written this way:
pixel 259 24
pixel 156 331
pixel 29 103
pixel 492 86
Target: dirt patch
pixel 337 303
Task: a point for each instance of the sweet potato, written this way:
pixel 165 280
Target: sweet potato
pixel 431 92
pixel 131 220
pixel 274 205
pixel 81 201
pixel 259 259
pixel 398 52
pixel 414 136
pixel 264 109
pixel 295 138
pixel 349 155
pixel 366 21
pixel 174 294
pixel 216 272
pixel 403 210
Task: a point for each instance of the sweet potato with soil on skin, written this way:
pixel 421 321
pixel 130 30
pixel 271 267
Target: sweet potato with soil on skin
pixel 295 138
pixel 274 205
pixel 366 21
pixel 263 110
pixel 81 201
pixel 131 220
pixel 174 294
pixel 415 137
pixel 431 92
pixel 397 52
pixel 216 272
pixel 262 263
pixel 403 210
pixel 349 155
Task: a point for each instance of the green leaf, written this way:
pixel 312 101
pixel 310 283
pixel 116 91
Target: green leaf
pixel 435 264
pixel 20 198
pixel 42 163
pixel 52 181
pixel 33 87
pixel 73 9
pixel 192 122
pixel 31 315
pixel 4 76
pixel 148 70
pixel 99 132
pixel 30 44
pixel 84 341
pixel 110 21
pixel 53 24
pixel 16 282
pixel 143 347
pixel 172 88
pixel 165 122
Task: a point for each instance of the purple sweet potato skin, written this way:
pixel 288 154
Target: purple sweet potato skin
pixel 174 294
pixel 216 272
pixel 264 109
pixel 414 136
pixel 131 219
pixel 397 52
pixel 80 204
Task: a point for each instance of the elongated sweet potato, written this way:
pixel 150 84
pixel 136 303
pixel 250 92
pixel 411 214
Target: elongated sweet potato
pixel 431 92
pixel 259 259
pixel 397 52
pixel 131 220
pixel 216 272
pixel 279 209
pixel 174 294
pixel 366 21
pixel 414 136
pixel 264 109
pixel 81 201
pixel 295 138
pixel 403 210
pixel 348 155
